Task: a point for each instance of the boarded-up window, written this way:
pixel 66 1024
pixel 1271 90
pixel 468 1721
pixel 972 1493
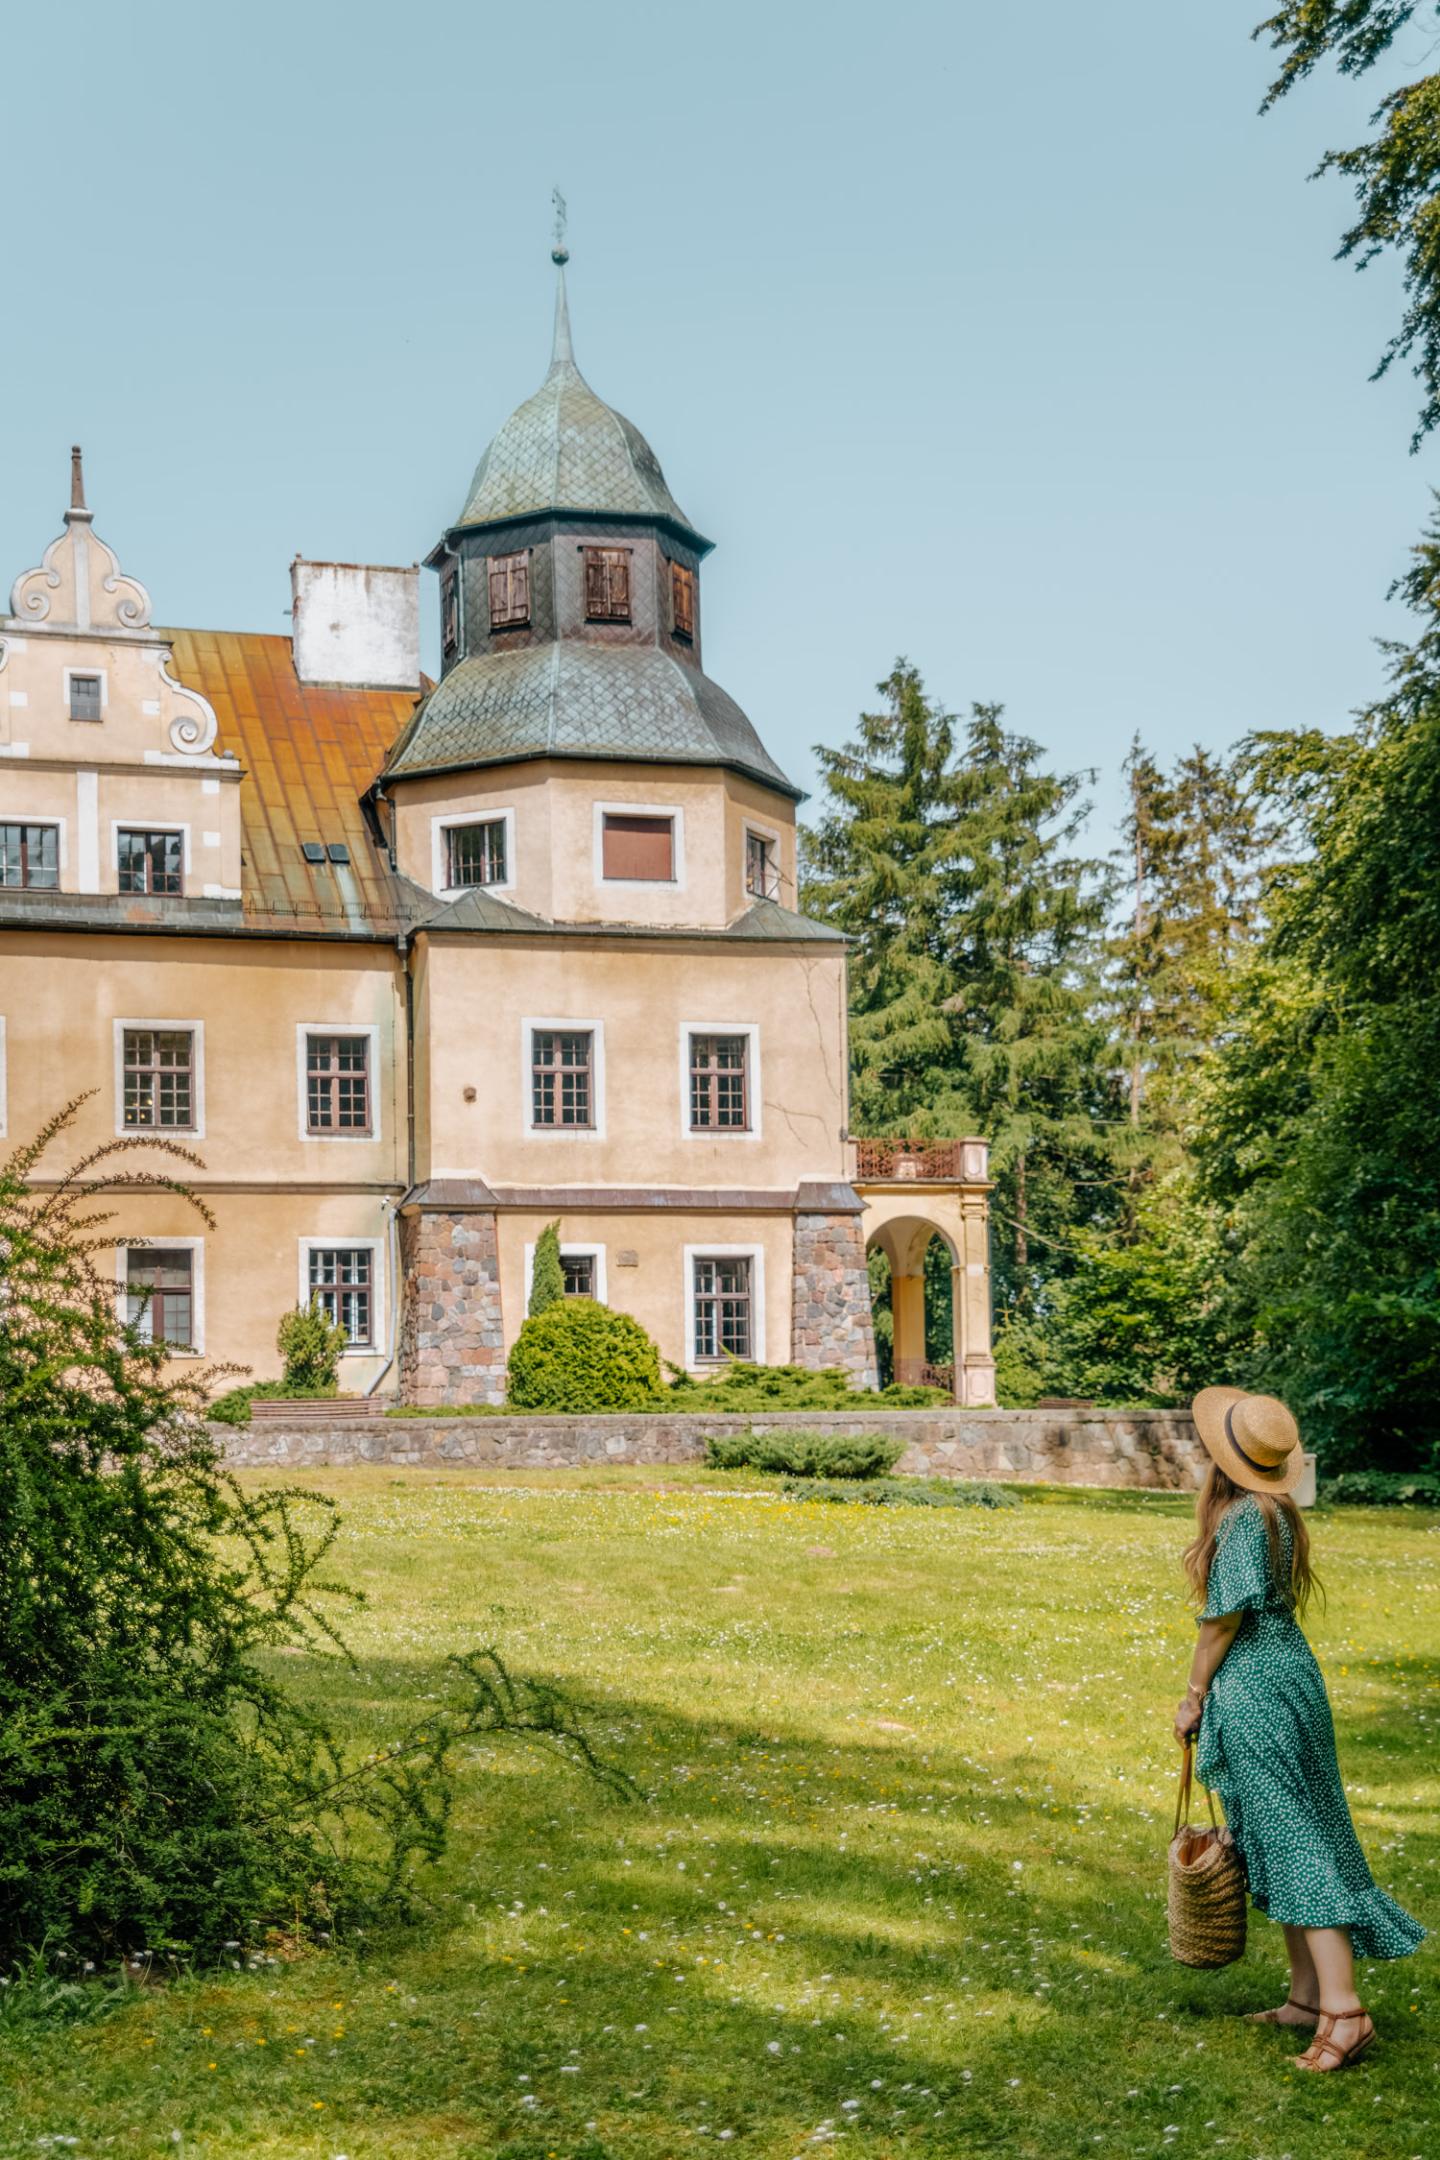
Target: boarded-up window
pixel 509 590
pixel 719 1083
pixel 159 1080
pixel 607 584
pixel 682 597
pixel 562 1077
pixel 723 1320
pixel 160 1294
pixel 150 862
pixel 30 855
pixel 342 1285
pixel 337 1083
pixel 640 849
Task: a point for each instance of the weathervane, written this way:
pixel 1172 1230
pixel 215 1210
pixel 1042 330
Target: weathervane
pixel 559 253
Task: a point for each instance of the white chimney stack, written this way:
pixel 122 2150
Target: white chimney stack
pixel 356 625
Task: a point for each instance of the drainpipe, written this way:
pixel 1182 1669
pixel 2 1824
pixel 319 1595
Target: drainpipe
pixel 402 947
pixel 392 1262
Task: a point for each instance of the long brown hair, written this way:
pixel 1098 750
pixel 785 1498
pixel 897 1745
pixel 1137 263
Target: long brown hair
pixel 1214 1496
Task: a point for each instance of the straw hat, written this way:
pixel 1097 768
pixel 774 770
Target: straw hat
pixel 1253 1438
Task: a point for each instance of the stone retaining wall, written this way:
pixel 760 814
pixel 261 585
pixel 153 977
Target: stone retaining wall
pixel 1149 1449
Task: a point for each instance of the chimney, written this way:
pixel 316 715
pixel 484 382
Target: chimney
pixel 356 625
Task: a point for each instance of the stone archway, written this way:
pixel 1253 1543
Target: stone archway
pixel 936 1192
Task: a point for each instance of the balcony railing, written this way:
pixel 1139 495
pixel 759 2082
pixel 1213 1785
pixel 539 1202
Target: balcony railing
pixel 922 1162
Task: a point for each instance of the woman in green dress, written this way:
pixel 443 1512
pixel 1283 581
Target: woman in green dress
pixel 1266 1739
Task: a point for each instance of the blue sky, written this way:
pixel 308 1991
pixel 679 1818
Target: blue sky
pixel 1007 338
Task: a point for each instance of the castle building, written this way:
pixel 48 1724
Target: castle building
pixel 417 968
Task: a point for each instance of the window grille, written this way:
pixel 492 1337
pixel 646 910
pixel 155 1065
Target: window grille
pixel 509 591
pixel 151 862
pixel 30 856
pixel 475 854
pixel 160 1294
pixel 719 1083
pixel 562 1077
pixel 159 1079
pixel 723 1307
pixel 337 1083
pixel 342 1285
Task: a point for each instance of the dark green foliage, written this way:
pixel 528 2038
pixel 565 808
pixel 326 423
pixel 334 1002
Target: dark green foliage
pixel 547 1278
pixel 1379 1488
pixel 1396 173
pixel 581 1356
pixel 739 1387
pixel 310 1343
pixel 908 1492
pixel 159 1790
pixel 805 1454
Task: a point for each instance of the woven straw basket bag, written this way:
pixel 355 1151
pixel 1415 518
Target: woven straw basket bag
pixel 1206 1902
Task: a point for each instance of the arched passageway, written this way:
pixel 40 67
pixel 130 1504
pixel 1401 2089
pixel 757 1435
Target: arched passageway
pixel 936 1196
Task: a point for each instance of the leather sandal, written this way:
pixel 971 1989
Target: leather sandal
pixel 1325 2052
pixel 1273 2017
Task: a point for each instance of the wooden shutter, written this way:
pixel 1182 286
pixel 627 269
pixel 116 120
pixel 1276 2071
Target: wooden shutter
pixel 607 584
pixel 509 590
pixel 638 848
pixel 682 589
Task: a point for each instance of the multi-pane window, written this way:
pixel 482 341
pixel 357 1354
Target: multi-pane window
pixel 449 612
pixel 159 1079
pixel 579 1272
pixel 682 599
pixel 562 1077
pixel 160 1294
pixel 475 854
pixel 151 862
pixel 342 1284
pixel 509 591
pixel 30 855
pixel 85 697
pixel 762 872
pixel 637 849
pixel 719 1083
pixel 607 584
pixel 723 1319
pixel 337 1083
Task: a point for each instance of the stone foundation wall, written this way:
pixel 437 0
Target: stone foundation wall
pixel 830 1317
pixel 452 1348
pixel 1149 1449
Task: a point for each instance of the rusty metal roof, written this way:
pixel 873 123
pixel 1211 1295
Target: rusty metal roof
pixel 309 754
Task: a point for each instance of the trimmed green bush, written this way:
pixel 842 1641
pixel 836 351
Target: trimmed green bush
pixel 905 1492
pixel 805 1454
pixel 739 1387
pixel 547 1276
pixel 581 1356
pixel 310 1343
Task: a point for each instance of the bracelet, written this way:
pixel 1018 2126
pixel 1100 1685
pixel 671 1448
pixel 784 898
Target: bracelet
pixel 1198 1693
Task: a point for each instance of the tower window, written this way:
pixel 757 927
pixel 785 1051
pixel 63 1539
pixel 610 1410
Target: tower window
pixel 85 697
pixel 638 850
pixel 682 599
pixel 509 590
pixel 762 874
pixel 607 584
pixel 450 612
pixel 475 854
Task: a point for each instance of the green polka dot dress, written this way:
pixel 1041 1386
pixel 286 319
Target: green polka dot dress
pixel 1267 1746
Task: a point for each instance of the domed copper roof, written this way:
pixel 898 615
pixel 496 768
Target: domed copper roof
pixel 566 449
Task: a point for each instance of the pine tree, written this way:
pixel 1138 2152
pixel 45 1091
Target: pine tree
pixel 547 1277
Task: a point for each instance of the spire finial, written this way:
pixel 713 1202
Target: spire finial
pixel 559 253
pixel 561 351
pixel 77 478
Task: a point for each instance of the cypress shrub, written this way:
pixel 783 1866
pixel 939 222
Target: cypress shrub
pixel 547 1277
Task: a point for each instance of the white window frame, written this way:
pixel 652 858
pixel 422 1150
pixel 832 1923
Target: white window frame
pixel 751 1031
pixel 573 1026
pixel 303 1030
pixel 338 1241
pixel 676 815
pixel 759 1318
pixel 151 825
pixel 23 817
pixel 104 675
pixel 196 1028
pixel 585 1248
pixel 762 832
pixel 440 829
pixel 196 1247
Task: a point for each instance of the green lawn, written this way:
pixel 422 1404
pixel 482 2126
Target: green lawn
pixel 897 1883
